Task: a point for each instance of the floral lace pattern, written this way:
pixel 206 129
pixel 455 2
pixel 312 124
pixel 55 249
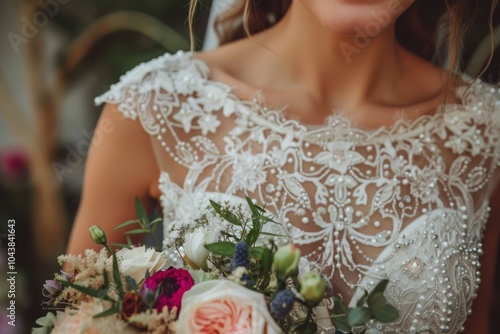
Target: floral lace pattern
pixel 407 202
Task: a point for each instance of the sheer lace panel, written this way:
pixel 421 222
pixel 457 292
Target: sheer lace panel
pixel 408 202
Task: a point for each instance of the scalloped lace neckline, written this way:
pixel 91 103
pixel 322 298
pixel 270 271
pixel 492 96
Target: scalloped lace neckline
pixel 266 115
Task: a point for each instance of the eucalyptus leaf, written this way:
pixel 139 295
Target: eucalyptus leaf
pixel 338 306
pixel 358 316
pixel 381 286
pixel 340 322
pixel 362 300
pixel 224 248
pixel 381 309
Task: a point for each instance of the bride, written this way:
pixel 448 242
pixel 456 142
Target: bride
pixel 378 163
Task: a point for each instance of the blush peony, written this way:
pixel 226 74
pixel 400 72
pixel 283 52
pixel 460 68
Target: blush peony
pixel 222 306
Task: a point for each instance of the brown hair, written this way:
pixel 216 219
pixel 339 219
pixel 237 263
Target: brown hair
pixel 416 28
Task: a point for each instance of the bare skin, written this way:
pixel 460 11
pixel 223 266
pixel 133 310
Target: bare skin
pixel 312 77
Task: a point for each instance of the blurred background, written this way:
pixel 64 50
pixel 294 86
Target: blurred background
pixel 55 57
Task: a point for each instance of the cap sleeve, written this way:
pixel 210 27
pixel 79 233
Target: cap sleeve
pixel 148 84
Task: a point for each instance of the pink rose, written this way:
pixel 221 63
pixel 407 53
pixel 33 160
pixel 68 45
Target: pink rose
pixel 222 306
pixel 169 285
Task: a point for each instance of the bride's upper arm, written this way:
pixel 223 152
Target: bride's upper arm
pixel 121 166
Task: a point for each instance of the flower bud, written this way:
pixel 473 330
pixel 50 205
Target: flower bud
pixel 98 235
pixel 286 261
pixel 312 288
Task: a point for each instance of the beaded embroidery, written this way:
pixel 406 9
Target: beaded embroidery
pixel 407 202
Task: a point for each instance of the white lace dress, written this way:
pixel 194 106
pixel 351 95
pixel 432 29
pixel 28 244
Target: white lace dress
pixel 407 202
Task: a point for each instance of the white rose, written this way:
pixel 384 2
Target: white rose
pixel 227 307
pixel 136 261
pixel 194 247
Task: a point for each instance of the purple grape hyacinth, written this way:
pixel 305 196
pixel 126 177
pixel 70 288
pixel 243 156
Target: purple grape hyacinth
pixel 240 257
pixel 282 304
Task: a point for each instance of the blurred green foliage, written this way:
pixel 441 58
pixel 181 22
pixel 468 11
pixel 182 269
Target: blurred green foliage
pixel 118 52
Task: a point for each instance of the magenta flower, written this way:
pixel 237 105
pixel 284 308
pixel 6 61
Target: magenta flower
pixel 14 164
pixel 168 286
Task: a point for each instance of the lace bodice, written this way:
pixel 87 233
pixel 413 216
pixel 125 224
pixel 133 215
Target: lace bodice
pixel 407 202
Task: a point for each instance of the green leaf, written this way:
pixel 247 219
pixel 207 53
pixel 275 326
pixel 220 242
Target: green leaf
pixel 256 252
pixel 106 278
pixel 381 309
pixel 138 231
pixel 229 216
pixel 358 316
pixel 305 328
pixel 266 267
pixel 362 300
pixel 97 293
pixel 338 306
pixel 254 206
pixel 252 237
pixel 230 235
pixel 116 273
pixel 380 287
pixel 131 283
pixel 141 213
pixel 127 223
pixel 155 222
pixel 264 283
pixel 113 310
pixel 340 321
pixel 256 213
pixel 271 234
pixel 224 248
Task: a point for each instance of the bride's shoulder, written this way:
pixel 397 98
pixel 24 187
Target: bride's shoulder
pixel 169 74
pixel 483 93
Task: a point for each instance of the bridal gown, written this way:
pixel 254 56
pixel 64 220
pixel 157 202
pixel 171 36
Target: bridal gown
pixel 407 202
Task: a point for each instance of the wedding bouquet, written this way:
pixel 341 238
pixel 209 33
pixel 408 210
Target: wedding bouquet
pixel 224 271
